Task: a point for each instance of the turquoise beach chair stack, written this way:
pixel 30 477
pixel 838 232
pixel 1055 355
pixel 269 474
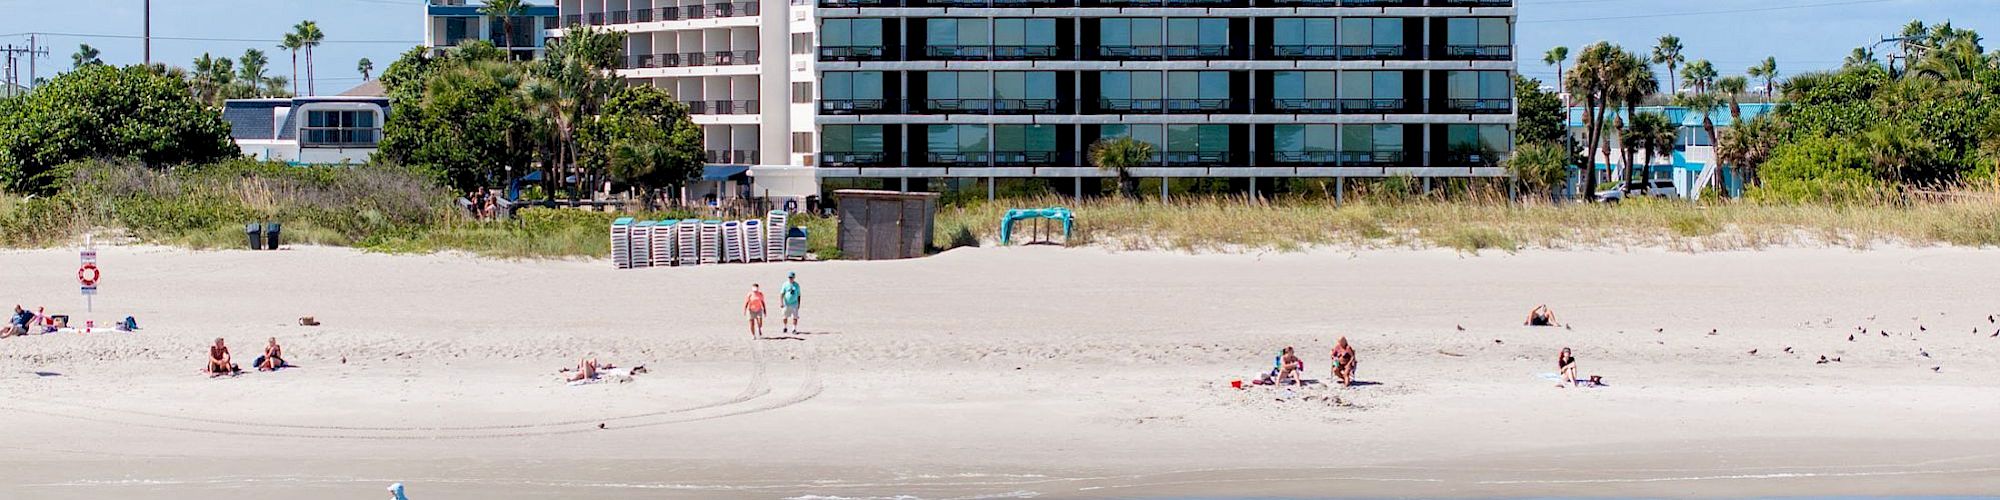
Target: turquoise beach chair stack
pixel 621 238
pixel 663 243
pixel 641 239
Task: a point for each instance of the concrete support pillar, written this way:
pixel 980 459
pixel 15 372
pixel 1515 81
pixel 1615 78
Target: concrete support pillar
pixel 906 185
pixel 1339 190
pixel 1427 186
pixel 1163 189
pixel 1079 190
pixel 990 181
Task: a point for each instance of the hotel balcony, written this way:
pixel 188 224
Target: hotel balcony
pixel 854 106
pixel 840 159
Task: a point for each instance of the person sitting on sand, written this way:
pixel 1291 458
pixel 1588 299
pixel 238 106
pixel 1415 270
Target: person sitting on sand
pixel 1291 367
pixel 273 358
pixel 587 369
pixel 18 323
pixel 1343 362
pixel 1541 316
pixel 219 363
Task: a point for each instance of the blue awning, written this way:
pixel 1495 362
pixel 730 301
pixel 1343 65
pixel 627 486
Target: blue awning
pixel 717 173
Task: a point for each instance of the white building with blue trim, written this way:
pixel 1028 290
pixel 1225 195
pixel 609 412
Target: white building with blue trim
pixel 1692 153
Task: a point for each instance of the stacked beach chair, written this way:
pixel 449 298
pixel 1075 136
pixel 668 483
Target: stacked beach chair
pixel 641 239
pixel 621 239
pixel 687 251
pixel 688 242
pixel 663 243
pixel 732 241
pixel 775 224
pixel 753 240
pixel 711 242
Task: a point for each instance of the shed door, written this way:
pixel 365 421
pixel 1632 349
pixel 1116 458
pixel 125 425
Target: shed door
pixel 884 228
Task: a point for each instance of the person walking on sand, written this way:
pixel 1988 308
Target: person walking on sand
pixel 789 298
pixel 753 305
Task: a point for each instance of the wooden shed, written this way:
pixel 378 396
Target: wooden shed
pixel 881 225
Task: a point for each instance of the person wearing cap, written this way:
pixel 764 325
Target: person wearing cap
pixel 789 298
pixel 396 492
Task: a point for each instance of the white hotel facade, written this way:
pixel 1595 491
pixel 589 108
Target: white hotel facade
pixel 908 93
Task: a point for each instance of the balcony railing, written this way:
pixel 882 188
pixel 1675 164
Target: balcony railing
pixel 572 19
pixel 1473 3
pixel 732 9
pixel 1480 52
pixel 1030 158
pixel 1373 52
pixel 991 52
pixel 621 16
pixel 735 107
pixel 1480 106
pixel 732 156
pixel 1323 157
pixel 1165 53
pixel 689 59
pixel 1036 106
pixel 643 15
pixel 696 107
pixel 1200 158
pixel 853 159
pixel 1166 3
pixel 958 159
pixel 851 53
pixel 995 3
pixel 1306 105
pixel 958 105
pixel 1371 158
pixel 852 106
pixel 597 19
pixel 835 4
pixel 733 57
pixel 1165 105
pixel 1465 158
pixel 669 13
pixel 1381 3
pixel 1306 51
pixel 1374 105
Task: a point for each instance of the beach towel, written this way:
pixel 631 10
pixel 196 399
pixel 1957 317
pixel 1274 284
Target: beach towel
pixel 1558 378
pixel 606 375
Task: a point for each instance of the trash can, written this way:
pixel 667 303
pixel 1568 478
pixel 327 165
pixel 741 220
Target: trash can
pixel 271 230
pixel 256 234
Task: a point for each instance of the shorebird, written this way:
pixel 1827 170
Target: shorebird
pixel 1921 352
pixel 1753 352
pixel 1822 360
pixel 1938 369
pixel 1850 337
pixel 1921 328
pixel 1711 331
pixel 1461 328
pixel 1658 330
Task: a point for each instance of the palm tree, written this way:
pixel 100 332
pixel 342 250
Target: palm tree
pixel 250 72
pixel 366 67
pixel 1699 75
pixel 1555 57
pixel 1120 155
pixel 1746 145
pixel 1767 70
pixel 1894 148
pixel 309 36
pixel 293 43
pixel 1654 134
pixel 1861 57
pixel 1732 89
pixel 85 55
pixel 1590 82
pixel 1668 52
pixel 1632 84
pixel 506 10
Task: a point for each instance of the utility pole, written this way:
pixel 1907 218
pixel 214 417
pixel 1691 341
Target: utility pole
pixel 12 74
pixel 149 31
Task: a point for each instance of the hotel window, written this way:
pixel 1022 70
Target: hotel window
pixel 1024 91
pixel 1121 91
pixel 851 91
pixel 1364 91
pixel 802 92
pixel 1304 143
pixel 340 128
pixel 958 91
pixel 1198 91
pixel 1205 34
pixel 851 38
pixel 1480 144
pixel 1304 90
pixel 1479 91
pixel 851 144
pixel 958 143
pixel 802 43
pixel 802 142
pixel 1202 144
pixel 1483 37
pixel 1024 144
pixel 1364 144
pixel 1364 37
pixel 1304 37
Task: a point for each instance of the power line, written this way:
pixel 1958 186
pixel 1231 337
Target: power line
pixel 200 39
pixel 1706 12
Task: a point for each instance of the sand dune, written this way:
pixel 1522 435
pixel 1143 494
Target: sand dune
pixel 1013 372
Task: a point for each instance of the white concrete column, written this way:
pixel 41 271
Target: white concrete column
pixel 774 82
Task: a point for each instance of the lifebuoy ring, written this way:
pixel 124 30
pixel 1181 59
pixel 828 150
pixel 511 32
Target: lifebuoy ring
pixel 88 275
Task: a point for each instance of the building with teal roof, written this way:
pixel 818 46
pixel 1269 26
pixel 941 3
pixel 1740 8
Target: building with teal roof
pixel 1693 152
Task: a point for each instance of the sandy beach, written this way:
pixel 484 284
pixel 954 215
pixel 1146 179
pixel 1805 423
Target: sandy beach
pixel 1012 372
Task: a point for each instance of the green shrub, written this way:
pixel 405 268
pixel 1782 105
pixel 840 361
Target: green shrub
pixel 1818 170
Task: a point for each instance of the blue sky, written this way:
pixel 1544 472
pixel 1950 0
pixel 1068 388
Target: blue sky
pixel 1802 34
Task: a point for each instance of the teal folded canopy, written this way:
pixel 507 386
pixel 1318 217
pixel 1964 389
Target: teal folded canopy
pixel 1067 217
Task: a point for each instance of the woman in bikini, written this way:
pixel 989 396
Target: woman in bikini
pixel 273 358
pixel 1290 366
pixel 1567 365
pixel 1541 316
pixel 1343 362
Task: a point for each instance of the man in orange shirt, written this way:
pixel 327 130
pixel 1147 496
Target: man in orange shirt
pixel 754 306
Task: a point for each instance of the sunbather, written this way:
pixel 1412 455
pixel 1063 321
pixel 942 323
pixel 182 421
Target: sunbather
pixel 1541 316
pixel 219 363
pixel 1566 364
pixel 1343 362
pixel 586 369
pixel 17 324
pixel 273 358
pixel 1291 367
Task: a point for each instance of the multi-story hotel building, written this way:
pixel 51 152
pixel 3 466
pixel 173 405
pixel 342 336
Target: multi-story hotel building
pixel 448 23
pixel 913 90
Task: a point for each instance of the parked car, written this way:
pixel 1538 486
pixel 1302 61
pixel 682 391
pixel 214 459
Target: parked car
pixel 1655 187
